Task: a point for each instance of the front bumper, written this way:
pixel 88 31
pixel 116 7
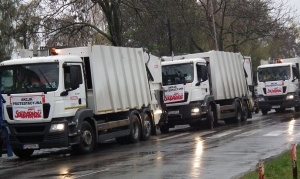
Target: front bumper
pixel 185 114
pixel 278 101
pixel 37 134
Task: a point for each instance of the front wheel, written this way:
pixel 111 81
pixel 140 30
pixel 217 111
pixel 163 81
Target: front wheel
pixel 87 139
pixel 264 111
pixel 211 120
pixel 23 153
pixel 164 129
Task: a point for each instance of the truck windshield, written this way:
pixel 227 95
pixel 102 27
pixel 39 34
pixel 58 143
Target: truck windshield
pixel 29 78
pixel 178 74
pixel 274 73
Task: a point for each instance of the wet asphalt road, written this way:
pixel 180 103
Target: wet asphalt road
pixel 227 151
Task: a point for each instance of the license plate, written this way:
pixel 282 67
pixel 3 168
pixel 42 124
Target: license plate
pixel 30 146
pixel 276 106
pixel 173 112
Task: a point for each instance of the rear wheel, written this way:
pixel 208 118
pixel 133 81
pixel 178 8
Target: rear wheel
pixel 238 112
pixel 87 139
pixel 23 153
pixel 245 111
pixel 147 127
pixel 135 132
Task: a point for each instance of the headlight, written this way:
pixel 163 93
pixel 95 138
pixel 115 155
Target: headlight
pixel 195 110
pixel 57 127
pixel 261 98
pixel 289 97
pixel 158 111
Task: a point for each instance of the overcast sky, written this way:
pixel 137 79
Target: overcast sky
pixel 295 4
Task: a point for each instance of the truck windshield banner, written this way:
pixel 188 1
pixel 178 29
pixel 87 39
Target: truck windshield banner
pixel 27 107
pixel 173 93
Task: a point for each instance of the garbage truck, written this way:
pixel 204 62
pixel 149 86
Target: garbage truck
pixel 203 88
pixel 278 85
pixel 78 96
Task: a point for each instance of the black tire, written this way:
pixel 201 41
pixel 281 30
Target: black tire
pixel 256 110
pixel 23 153
pixel 245 111
pixel 87 139
pixel 135 130
pixel 238 112
pixel 164 129
pixel 146 127
pixel 264 111
pixel 280 110
pixel 297 108
pixel 211 120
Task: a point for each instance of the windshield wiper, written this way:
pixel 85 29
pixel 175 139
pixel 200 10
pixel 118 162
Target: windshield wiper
pixel 50 86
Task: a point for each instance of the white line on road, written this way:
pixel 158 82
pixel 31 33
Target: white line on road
pixel 248 133
pixel 172 137
pixel 274 133
pixel 104 170
pixel 223 134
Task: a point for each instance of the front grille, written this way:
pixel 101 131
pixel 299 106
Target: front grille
pixel 31 139
pixel 31 129
pixel 46 110
pixel 275 100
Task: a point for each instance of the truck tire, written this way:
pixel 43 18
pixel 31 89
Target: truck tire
pixel 211 120
pixel 164 129
pixel 87 139
pixel 245 111
pixel 135 131
pixel 23 153
pixel 238 112
pixel 146 127
pixel 264 111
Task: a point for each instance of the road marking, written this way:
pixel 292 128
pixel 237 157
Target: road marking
pixel 274 133
pixel 174 136
pixel 104 170
pixel 248 133
pixel 223 134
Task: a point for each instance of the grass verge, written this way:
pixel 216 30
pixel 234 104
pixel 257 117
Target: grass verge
pixel 279 167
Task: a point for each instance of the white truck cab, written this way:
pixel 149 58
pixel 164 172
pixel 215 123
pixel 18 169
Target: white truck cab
pixel 278 87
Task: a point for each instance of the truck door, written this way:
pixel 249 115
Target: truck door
pixel 203 82
pixel 75 97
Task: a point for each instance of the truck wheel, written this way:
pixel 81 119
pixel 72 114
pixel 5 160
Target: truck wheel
pixel 87 139
pixel 211 120
pixel 245 111
pixel 135 131
pixel 164 129
pixel 264 111
pixel 238 112
pixel 297 108
pixel 23 153
pixel 147 127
